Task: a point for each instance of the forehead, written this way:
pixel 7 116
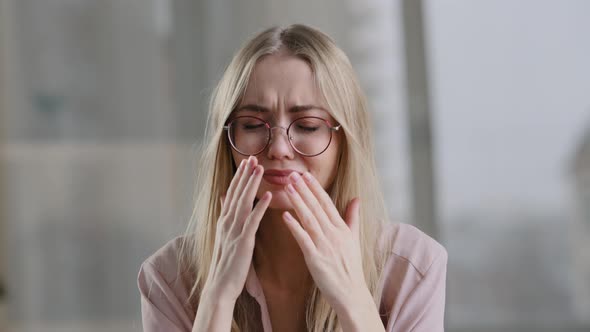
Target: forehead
pixel 282 78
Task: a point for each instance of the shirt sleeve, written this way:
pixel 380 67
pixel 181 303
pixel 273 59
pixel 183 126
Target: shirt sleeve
pixel 160 308
pixel 423 309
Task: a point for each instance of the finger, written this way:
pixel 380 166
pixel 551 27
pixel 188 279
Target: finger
pixel 312 203
pixel 249 166
pixel 244 207
pixel 233 184
pixel 301 236
pixel 310 224
pixel 324 199
pixel 253 221
pixel 249 192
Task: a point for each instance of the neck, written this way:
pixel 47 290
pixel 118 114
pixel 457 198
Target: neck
pixel 278 260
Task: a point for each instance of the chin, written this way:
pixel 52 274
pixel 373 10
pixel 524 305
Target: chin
pixel 280 200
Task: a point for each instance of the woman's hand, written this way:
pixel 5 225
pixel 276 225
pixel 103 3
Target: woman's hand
pixel 330 245
pixel 236 230
pixel 331 248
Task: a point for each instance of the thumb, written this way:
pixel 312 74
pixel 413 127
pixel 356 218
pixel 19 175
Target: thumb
pixel 353 216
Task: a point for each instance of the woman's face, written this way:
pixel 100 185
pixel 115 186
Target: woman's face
pixel 279 86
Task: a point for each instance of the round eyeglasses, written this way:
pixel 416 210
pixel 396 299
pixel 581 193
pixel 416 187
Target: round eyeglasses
pixel 308 135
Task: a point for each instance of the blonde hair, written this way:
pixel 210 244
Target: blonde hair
pixel 356 176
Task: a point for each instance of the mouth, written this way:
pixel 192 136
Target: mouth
pixel 278 177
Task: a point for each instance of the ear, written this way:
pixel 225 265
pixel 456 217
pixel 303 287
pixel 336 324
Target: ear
pixel 353 216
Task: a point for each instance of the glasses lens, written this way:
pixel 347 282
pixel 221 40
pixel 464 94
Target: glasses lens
pixel 310 136
pixel 248 135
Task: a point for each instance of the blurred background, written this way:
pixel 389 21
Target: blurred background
pixel 481 112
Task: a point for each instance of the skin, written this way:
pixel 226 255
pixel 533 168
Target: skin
pixel 294 235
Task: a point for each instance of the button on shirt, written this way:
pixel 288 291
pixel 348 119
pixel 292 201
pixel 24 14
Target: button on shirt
pixel 412 287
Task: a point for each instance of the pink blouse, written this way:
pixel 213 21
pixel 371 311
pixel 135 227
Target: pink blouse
pixel 413 287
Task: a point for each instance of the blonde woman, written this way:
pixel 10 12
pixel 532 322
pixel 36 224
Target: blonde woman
pixel 289 230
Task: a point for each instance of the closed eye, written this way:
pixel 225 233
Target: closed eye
pixel 308 129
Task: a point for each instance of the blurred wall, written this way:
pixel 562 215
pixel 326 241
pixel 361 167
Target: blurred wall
pixel 8 91
pixel 91 171
pixel 511 107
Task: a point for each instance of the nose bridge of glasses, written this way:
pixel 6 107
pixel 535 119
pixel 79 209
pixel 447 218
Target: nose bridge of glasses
pixel 272 134
pixel 278 127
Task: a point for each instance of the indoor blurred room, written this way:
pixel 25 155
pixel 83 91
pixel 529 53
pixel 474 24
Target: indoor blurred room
pixel 481 112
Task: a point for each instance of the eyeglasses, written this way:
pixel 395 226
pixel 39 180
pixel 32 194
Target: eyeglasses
pixel 308 135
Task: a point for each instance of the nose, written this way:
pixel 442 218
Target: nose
pixel 279 146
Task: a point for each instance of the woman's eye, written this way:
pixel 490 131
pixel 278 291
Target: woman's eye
pixel 252 126
pixel 312 129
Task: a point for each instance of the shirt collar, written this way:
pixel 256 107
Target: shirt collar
pixel 253 286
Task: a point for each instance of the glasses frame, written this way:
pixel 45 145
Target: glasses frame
pixel 269 128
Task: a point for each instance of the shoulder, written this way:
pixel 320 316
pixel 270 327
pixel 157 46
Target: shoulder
pixel 164 293
pixel 414 247
pixel 165 259
pixel 163 268
pixel 413 280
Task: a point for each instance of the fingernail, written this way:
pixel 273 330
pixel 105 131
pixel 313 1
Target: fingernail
pixel 307 176
pixel 294 176
pixel 242 163
pixel 290 188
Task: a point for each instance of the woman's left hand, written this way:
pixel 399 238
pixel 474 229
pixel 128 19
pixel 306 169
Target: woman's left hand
pixel 330 244
pixel 332 251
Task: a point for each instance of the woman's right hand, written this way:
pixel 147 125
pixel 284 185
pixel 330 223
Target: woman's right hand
pixel 236 231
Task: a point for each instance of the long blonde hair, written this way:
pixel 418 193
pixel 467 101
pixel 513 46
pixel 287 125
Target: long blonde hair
pixel 356 176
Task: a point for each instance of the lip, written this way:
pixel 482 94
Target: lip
pixel 278 176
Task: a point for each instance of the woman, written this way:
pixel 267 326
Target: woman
pixel 289 230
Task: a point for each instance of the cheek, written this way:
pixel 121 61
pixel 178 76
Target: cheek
pixel 325 167
pixel 237 158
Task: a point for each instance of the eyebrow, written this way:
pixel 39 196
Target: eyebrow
pixel 294 109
